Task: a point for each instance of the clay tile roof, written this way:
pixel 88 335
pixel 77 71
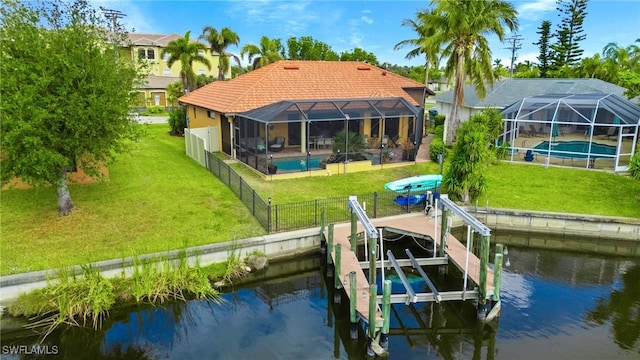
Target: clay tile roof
pixel 141 39
pixel 302 80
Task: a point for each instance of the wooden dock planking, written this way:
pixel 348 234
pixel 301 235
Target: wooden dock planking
pixel 416 223
pixel 348 264
pixel 456 250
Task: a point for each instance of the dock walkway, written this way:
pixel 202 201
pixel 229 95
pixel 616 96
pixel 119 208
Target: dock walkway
pixel 416 223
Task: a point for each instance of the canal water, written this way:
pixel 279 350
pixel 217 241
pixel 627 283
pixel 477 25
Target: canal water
pixel 556 304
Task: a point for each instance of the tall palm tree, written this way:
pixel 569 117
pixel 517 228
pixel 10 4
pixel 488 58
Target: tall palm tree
pixel 421 46
pixel 218 43
pixel 462 27
pixel 186 52
pixel 270 51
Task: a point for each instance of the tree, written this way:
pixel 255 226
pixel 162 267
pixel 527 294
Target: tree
pixel 567 50
pixel 306 48
pixel 461 28
pixel 499 71
pixel 420 44
pixel 622 59
pixel 218 43
pixel 269 51
pixel 631 81
pixel 527 70
pixel 186 52
pixel 174 92
pixel 543 44
pixel 464 178
pixel 66 93
pixel 358 54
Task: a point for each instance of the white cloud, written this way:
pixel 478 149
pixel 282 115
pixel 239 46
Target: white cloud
pixel 367 19
pixel 533 10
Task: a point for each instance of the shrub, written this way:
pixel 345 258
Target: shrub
pixel 155 109
pixel 438 132
pixel 178 121
pixel 502 151
pixel 436 147
pixel 634 166
pixel 439 120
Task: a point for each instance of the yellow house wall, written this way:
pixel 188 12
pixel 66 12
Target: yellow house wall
pixel 281 129
pixel 159 64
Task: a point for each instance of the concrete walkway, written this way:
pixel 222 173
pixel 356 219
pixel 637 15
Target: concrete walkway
pixel 423 151
pixel 153 119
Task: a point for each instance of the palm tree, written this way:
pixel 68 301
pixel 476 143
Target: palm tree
pixel 186 52
pixel 622 58
pixel 218 43
pixel 421 46
pixel 270 51
pixel 462 27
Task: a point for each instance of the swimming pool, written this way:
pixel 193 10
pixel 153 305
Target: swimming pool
pixel 298 164
pixel 575 149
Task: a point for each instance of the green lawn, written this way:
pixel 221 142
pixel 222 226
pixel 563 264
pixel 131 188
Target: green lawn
pixel 514 186
pixel 158 199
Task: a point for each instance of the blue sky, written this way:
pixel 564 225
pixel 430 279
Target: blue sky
pixel 374 26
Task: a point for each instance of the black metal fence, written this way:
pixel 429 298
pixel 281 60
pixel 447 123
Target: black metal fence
pixel 304 214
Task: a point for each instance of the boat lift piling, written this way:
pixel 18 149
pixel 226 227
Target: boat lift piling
pixel 344 266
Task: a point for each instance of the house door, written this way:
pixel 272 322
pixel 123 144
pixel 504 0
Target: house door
pixel 226 135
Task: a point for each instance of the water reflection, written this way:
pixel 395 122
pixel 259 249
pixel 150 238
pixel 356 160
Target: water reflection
pixel 622 308
pixel 555 305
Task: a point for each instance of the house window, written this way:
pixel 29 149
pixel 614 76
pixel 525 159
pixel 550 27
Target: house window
pixel 142 53
pixel 201 72
pixel 166 56
pixel 151 54
pixel 212 114
pixel 166 72
pixel 201 53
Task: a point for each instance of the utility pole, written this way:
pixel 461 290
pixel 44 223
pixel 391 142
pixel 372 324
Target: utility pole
pixel 112 15
pixel 516 44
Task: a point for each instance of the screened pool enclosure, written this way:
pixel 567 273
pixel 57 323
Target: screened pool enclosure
pixel 597 130
pixel 302 135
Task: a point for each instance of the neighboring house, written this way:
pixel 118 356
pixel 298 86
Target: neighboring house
pixel 149 47
pixel 154 91
pixel 301 105
pixel 442 84
pixel 595 130
pixel 506 92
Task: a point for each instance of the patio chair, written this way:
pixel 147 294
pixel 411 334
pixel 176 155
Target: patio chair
pixel 278 145
pixel 529 155
pixel 532 130
pixel 611 133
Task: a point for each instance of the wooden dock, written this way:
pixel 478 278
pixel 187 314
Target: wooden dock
pixel 415 223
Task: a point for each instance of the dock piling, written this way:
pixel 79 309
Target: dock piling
pixel 329 247
pixel 497 272
pixel 386 310
pixel 337 272
pixel 483 307
pixel 353 296
pixel 323 239
pixel 373 304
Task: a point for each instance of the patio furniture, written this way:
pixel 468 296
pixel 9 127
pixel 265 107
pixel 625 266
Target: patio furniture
pixel 278 145
pixel 532 130
pixel 529 155
pixel 325 142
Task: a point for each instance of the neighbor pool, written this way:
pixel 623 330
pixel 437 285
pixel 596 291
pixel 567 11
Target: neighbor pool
pixel 575 149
